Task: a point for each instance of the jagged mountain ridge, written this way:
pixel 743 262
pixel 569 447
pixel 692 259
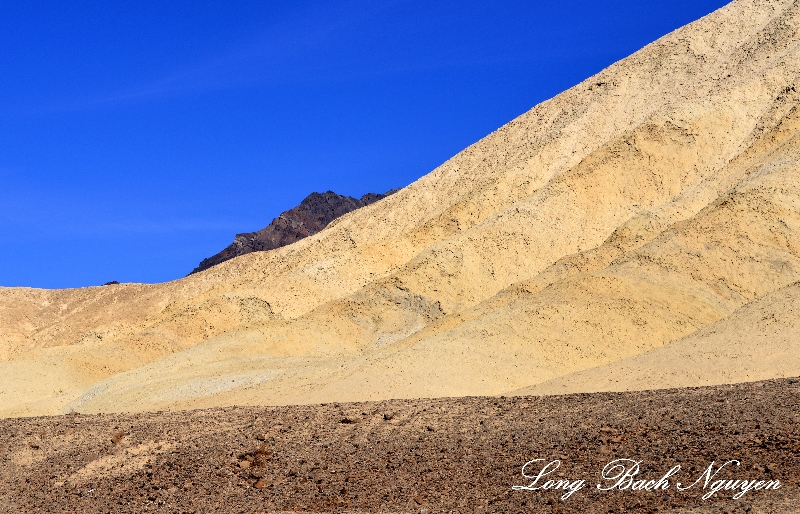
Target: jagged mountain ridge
pixel 652 200
pixel 313 214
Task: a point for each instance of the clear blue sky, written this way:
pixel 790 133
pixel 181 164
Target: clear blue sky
pixel 136 138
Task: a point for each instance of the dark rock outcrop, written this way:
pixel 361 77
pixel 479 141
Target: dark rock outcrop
pixel 313 214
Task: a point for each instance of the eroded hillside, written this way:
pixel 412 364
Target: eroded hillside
pixel 653 200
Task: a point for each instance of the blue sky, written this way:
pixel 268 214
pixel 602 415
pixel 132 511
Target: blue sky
pixel 136 138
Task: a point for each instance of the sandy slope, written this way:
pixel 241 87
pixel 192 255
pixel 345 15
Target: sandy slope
pixel 639 207
pixel 762 339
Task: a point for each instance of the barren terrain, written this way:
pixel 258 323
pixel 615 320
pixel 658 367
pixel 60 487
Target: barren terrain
pixel 613 274
pixel 437 455
pixel 632 217
pixel 314 213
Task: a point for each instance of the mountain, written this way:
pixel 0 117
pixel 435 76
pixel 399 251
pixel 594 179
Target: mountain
pixel 645 207
pixel 758 340
pixel 313 214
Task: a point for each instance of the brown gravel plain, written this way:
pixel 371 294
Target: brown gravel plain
pixel 432 455
pixel 639 231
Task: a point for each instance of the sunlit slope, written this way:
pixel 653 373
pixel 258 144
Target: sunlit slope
pixel 644 204
pixel 760 341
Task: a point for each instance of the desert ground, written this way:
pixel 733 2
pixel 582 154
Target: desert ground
pixel 614 273
pixel 429 455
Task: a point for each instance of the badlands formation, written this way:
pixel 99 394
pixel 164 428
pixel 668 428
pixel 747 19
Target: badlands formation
pixel 640 230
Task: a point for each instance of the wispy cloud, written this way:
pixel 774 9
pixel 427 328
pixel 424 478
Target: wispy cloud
pixel 153 227
pixel 115 232
pixel 287 52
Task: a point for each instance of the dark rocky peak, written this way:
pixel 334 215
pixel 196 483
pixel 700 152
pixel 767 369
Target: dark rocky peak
pixel 313 214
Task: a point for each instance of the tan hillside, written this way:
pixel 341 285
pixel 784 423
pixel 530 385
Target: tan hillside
pixel 762 339
pixel 641 206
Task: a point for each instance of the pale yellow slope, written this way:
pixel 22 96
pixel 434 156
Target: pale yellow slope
pixel 635 208
pixel 757 342
pixel 749 239
pixel 750 245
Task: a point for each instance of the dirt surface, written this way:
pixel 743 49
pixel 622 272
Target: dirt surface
pixel 433 455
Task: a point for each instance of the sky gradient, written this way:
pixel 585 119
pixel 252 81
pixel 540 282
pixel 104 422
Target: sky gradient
pixel 139 137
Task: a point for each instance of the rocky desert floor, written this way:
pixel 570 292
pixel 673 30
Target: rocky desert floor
pixel 425 455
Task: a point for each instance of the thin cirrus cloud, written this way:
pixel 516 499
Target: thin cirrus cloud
pixel 296 49
pixel 132 226
pixel 329 44
pixel 77 227
pixel 168 127
pixel 64 214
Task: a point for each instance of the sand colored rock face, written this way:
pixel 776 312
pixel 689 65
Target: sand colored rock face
pixel 762 339
pixel 625 217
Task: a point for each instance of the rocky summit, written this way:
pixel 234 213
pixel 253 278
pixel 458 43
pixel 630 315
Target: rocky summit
pixel 313 214
pixel 640 230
